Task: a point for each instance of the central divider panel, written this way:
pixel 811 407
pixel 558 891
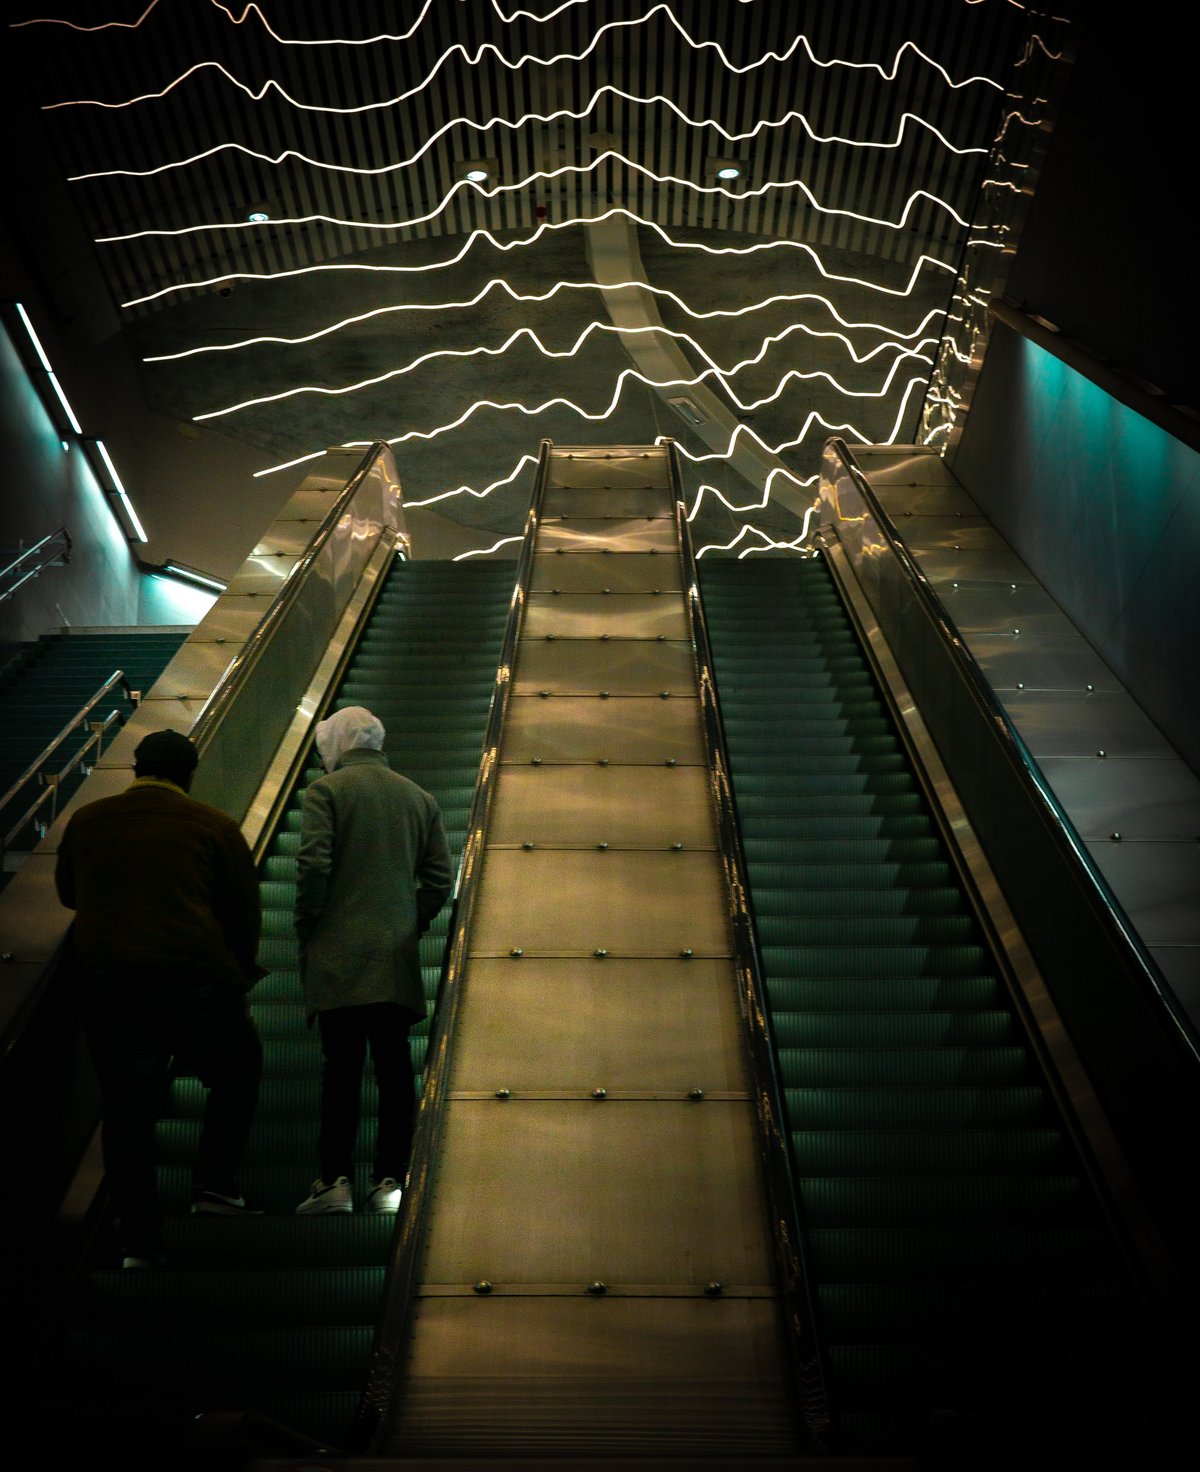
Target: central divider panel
pixel 598 1277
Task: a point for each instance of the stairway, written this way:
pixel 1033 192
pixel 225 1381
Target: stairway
pixel 47 682
pixel 275 1314
pixel 966 1284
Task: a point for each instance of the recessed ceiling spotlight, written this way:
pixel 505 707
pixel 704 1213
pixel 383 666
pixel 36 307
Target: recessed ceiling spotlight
pixel 729 171
pixel 476 176
pixel 258 217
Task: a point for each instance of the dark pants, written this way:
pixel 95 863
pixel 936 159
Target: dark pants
pixel 346 1033
pixel 137 1020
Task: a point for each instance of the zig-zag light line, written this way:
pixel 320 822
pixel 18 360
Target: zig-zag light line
pixel 499 283
pixel 799 43
pixel 528 334
pixel 462 490
pixel 539 175
pixel 480 234
pixel 289 154
pixel 769 542
pixel 484 551
pixel 779 471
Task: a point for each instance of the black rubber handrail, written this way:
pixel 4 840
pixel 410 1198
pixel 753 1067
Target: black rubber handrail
pixel 813 1402
pixel 1103 901
pixel 395 1324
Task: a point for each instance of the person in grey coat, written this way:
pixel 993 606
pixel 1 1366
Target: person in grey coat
pixel 373 871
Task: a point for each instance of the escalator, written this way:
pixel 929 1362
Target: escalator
pixel 275 1314
pixel 969 1293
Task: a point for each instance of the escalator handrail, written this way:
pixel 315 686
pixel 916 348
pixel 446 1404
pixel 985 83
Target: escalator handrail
pixel 242 664
pixel 1103 901
pixel 787 1222
pixel 395 1323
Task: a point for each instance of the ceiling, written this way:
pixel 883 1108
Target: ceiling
pixel 386 297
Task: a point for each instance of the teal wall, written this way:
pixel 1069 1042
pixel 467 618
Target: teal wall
pixel 1105 508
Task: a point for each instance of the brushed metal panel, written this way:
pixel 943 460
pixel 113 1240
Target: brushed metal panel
pixel 627 902
pixel 609 1376
pixel 618 572
pixel 665 1025
pixel 1051 662
pixel 156 713
pixel 259 578
pixel 902 464
pixel 1138 798
pixel 998 565
pixel 1181 967
pixel 579 534
pixel 600 469
pixel 1157 884
pixel 195 670
pixel 1075 723
pixel 578 728
pixel 34 920
pixel 621 666
pixel 941 534
pixel 902 502
pixel 621 805
pixel 979 608
pixel 624 1191
pixel 621 615
pixel 284 539
pixel 231 619
pixel 607 501
pixel 311 504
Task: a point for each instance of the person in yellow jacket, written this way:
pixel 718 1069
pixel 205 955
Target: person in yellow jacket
pixel 372 872
pixel 166 930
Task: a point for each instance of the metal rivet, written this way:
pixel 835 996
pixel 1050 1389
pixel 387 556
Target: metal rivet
pixel 1020 684
pixel 606 550
pixel 957 548
pixel 483 1286
pixel 662 638
pixel 556 590
pixel 544 694
pixel 527 844
pixel 1013 586
pixel 1102 753
pixel 606 590
pixel 687 953
pixel 559 551
pixel 664 695
pixel 600 952
pixel 535 761
pixel 602 761
pixel 516 951
pixel 602 845
pixel 1091 687
pixel 503 1093
pixel 1016 631
pixel 597 1288
pixel 713 1290
pixel 695 1093
pixel 655 591
pixel 670 762
pixel 599 1093
pixel 676 847
pixel 550 638
pixel 604 695
pixel 1116 837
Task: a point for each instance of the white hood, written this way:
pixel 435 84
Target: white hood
pixel 344 731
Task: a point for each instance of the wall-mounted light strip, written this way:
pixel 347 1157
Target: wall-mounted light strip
pixel 184 574
pixel 107 471
pixel 51 376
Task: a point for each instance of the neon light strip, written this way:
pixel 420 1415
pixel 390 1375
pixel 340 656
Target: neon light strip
pixel 779 470
pixel 465 490
pixel 540 175
pixel 499 283
pixel 770 544
pixel 713 250
pixel 483 551
pixel 800 42
pixel 138 529
pixel 528 333
pixel 44 360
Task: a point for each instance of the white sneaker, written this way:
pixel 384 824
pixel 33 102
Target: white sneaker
pixel 322 1198
pixel 384 1195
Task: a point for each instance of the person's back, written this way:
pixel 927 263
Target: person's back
pixel 372 872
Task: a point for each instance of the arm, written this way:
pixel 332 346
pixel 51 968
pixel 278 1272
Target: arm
pixel 435 875
pixel 315 860
pixel 241 910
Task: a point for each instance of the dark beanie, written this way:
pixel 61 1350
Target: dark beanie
pixel 165 754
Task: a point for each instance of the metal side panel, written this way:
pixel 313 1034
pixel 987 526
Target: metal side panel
pixel 588 615
pixel 666 1026
pixel 611 533
pixel 572 501
pixel 625 806
pixel 617 467
pixel 595 1376
pixel 598 572
pixel 625 902
pixel 584 728
pixel 620 666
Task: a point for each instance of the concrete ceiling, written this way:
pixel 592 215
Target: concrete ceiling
pixel 350 127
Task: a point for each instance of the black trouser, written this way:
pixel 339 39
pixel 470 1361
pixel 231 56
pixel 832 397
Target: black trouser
pixel 137 1019
pixel 346 1033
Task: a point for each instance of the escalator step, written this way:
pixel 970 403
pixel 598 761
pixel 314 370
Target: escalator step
pixel 973 1201
pixel 878 1033
pixel 914 1109
pixel 868 993
pixel 918 959
pixel 781 931
pixel 309 1296
pixel 926 1151
pixel 850 1066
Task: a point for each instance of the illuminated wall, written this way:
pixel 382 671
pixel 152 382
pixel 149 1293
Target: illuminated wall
pixel 1105 508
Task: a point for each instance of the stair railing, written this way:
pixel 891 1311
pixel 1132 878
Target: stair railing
pixel 52 551
pixel 82 758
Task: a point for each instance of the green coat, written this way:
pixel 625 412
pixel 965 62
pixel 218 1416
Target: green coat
pixel 373 871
